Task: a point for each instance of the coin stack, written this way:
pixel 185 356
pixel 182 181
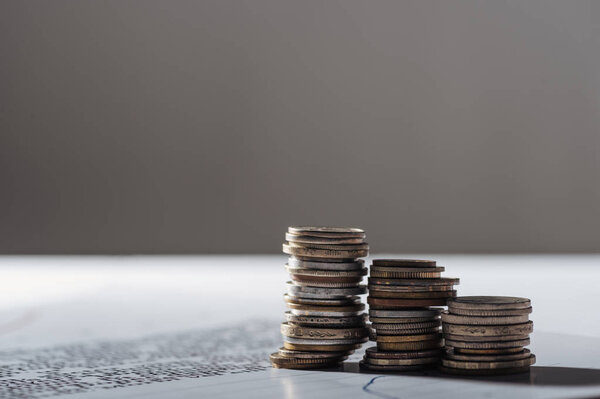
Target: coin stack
pixel 405 325
pixel 486 335
pixel 325 322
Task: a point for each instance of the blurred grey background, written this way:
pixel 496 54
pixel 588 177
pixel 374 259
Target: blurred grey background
pixel 210 126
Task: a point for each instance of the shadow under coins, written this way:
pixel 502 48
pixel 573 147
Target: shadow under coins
pixel 537 376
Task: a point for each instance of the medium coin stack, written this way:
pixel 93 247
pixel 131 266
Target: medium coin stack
pixel 486 335
pixel 325 322
pixel 403 321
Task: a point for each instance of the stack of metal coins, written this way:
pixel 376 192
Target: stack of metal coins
pixel 325 322
pixel 486 335
pixel 405 326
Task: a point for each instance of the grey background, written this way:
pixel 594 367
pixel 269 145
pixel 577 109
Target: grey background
pixel 209 126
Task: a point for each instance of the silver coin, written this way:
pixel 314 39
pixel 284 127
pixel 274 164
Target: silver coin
pixel 340 266
pixel 324 313
pixel 431 312
pixel 326 322
pixel 324 293
pixel 302 341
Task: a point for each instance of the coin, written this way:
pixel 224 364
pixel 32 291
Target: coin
pixel 402 362
pixel 321 348
pixel 489 313
pixel 409 338
pixel 315 321
pixel 320 282
pixel 374 288
pixel 311 355
pixel 490 302
pixel 489 330
pixel 505 371
pixel 415 331
pixel 408 346
pixel 487 345
pixel 304 264
pixel 487 320
pixel 473 338
pixel 406 326
pixel 327 231
pixel 387 269
pixel 357 307
pixel 295 331
pixel 405 313
pixel 404 262
pixel 478 352
pixel 304 341
pixel 306 239
pixel 402 274
pixel 388 303
pixel 327 273
pixel 373 353
pixel 473 365
pixel 313 311
pixel 414 282
pixel 412 295
pixel 316 292
pixel 488 358
pixel 400 320
pixel 339 247
pixel 348 301
pixel 373 367
pixel 280 361
pixel 325 253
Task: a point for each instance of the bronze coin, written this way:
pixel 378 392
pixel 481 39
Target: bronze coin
pixel 387 303
pixel 490 302
pixel 410 275
pixel 487 345
pixel 409 338
pixel 488 330
pixel 482 321
pixel 404 262
pixel 479 352
pixel 473 338
pixel 414 282
pixel 408 346
pixel 372 352
pixel 413 295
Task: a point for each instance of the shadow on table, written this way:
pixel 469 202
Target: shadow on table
pixel 538 376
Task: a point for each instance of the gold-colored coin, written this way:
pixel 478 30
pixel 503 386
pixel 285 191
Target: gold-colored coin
pixel 487 345
pixel 408 346
pixel 402 362
pixel 488 330
pixel 405 274
pixel 409 338
pixel 322 333
pixel 483 320
pixel 490 302
pixel 472 365
pixel 320 348
pixel 340 247
pixel 413 295
pixel 325 253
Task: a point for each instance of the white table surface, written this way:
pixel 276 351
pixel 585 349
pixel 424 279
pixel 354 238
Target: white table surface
pixel 50 301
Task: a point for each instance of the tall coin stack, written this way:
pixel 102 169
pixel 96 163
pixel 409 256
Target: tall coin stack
pixel 486 335
pixel 325 322
pixel 405 326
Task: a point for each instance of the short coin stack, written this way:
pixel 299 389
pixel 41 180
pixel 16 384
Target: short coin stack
pixel 325 322
pixel 486 335
pixel 405 326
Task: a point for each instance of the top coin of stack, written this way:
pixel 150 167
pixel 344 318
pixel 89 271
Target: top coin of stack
pixel 325 322
pixel 406 328
pixel 486 335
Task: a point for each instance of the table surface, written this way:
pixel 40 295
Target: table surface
pixel 224 305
